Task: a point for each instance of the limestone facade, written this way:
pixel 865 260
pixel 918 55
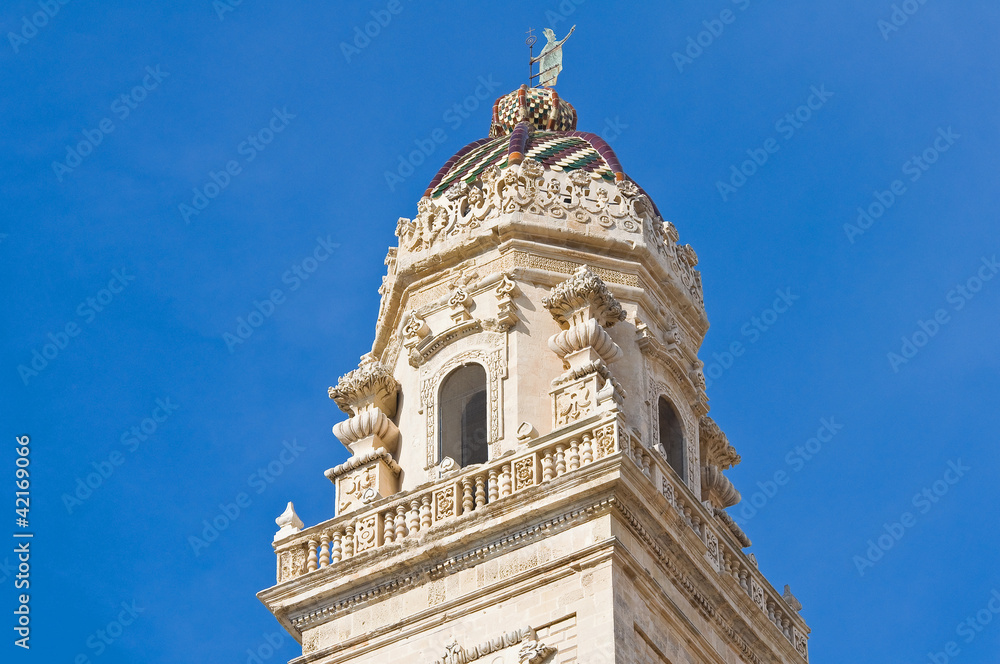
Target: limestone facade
pixel 593 529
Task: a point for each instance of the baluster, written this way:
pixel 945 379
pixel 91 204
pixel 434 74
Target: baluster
pixel 400 522
pixel 480 491
pixel 324 549
pixel 413 518
pixel 467 503
pixel 311 560
pixel 548 467
pixel 560 460
pixel 349 541
pixel 647 462
pixel 786 627
pixel 388 527
pixel 743 579
pixel 588 450
pixel 493 492
pixel 425 512
pixel 505 481
pixel 770 614
pixel 337 553
pixel 574 454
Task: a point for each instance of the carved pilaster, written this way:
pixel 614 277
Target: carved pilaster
pixel 368 395
pixel 583 306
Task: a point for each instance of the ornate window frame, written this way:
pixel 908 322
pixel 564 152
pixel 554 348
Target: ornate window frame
pixel 689 425
pixel 488 349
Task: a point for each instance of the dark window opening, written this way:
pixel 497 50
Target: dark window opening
pixel 463 415
pixel 671 435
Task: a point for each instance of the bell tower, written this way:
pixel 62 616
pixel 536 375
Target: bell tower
pixel 534 477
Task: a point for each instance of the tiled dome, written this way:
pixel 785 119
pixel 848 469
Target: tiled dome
pixel 531 123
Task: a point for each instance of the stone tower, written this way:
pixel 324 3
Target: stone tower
pixel 534 477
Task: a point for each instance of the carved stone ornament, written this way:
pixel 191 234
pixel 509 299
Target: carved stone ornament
pixel 717 488
pixel 363 479
pixel 718 451
pixel 793 603
pixel 522 644
pixel 289 523
pixel 583 293
pixel 370 384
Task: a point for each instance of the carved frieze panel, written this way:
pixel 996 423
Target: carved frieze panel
pixel 606 441
pixel 515 647
pixel 445 503
pixel 367 533
pixel 524 473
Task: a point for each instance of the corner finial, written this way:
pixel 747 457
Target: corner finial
pixel 289 521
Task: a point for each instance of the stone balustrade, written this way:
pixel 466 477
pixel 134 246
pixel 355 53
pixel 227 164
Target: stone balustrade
pixel 455 494
pixel 467 490
pixel 725 552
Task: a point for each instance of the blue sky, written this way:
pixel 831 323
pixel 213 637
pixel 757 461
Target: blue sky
pixel 289 138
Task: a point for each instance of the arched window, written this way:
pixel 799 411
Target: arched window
pixel 672 435
pixel 463 415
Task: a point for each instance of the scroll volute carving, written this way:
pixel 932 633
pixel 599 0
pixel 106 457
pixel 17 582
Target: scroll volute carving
pixel 583 306
pixel 718 455
pixel 368 395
